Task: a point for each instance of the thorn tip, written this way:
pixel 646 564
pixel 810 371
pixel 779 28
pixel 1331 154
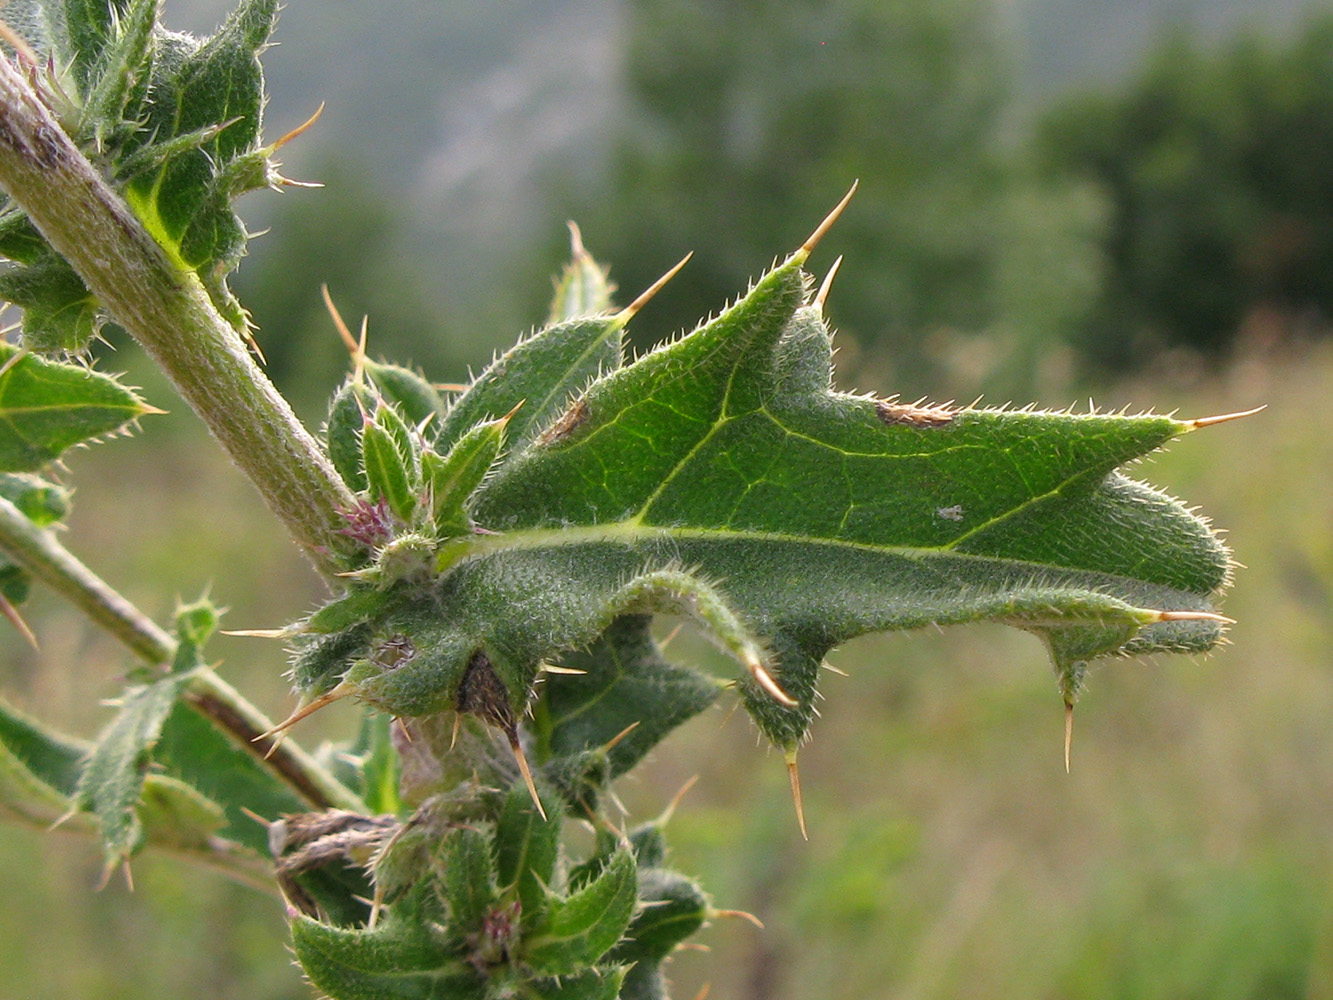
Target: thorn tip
pixel 794 776
pixel 813 240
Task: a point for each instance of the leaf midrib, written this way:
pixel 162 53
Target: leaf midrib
pixel 630 533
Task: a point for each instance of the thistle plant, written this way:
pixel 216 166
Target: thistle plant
pixel 495 552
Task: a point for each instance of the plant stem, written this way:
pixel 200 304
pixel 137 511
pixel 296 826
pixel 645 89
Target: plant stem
pixel 169 313
pixel 39 553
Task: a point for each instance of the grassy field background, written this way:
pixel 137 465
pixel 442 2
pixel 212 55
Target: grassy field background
pixel 1187 855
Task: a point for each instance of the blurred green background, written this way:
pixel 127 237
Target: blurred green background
pixel 1122 199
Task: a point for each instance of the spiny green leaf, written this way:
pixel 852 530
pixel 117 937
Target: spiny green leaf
pixel 392 470
pixel 578 931
pixel 342 433
pixel 187 203
pixel 403 958
pixel 468 879
pixel 583 288
pixel 826 515
pixel 450 480
pixel 626 681
pixel 112 780
pixel 174 121
pixel 543 373
pixel 47 407
pixel 60 315
pixel 527 845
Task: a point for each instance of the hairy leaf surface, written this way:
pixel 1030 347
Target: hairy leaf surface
pixel 720 476
pixel 47 407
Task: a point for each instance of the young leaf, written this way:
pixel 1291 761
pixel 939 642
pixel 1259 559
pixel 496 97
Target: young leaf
pixel 468 879
pixel 542 372
pixel 342 432
pixel 451 480
pixel 47 407
pixel 583 288
pixel 392 460
pixel 403 958
pixel 418 400
pixel 626 681
pixel 578 931
pixel 527 845
pixel 112 780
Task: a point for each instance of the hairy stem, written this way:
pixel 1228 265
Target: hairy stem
pixel 40 554
pixel 170 314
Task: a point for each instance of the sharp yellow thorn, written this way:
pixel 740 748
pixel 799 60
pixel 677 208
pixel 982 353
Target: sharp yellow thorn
pixel 504 421
pixel 348 340
pixel 827 224
pixel 278 741
pixel 298 130
pixel 670 635
pixel 526 772
pixel 676 800
pixel 628 313
pixel 738 913
pixel 822 296
pixel 765 680
pixel 341 691
pixel 129 875
pixel 621 735
pixel 449 386
pixel 402 728
pixel 1194 425
pixel 16 619
pixel 60 821
pixel 256 817
pixel 254 346
pixel 1069 731
pixel 575 240
pixel 795 777
pixel 1193 616
pixel 259 633
pixel 551 668
pixel 453 737
pixel 834 670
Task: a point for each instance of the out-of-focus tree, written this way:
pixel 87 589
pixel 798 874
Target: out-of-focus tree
pixel 1216 164
pixel 744 115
